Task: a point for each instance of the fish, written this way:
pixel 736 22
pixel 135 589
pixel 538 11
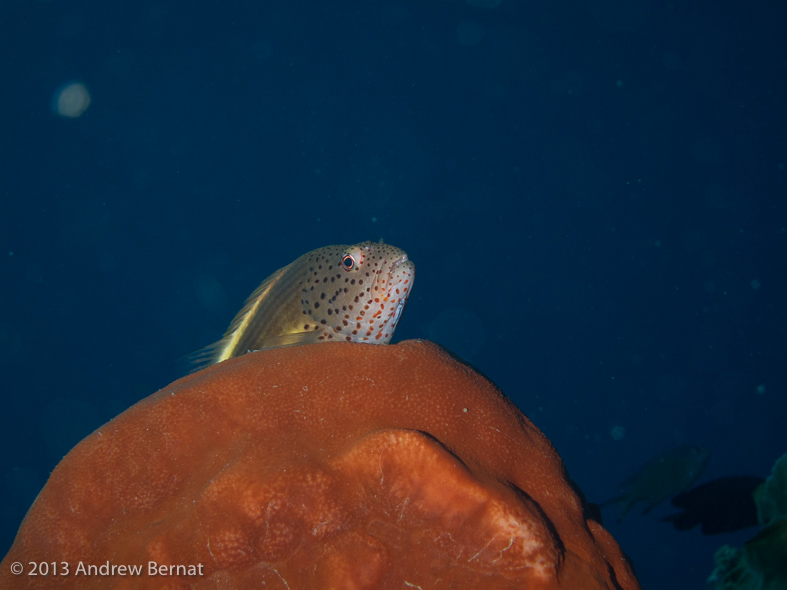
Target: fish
pixel 719 506
pixel 354 293
pixel 662 477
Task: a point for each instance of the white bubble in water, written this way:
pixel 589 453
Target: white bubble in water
pixel 617 432
pixel 71 100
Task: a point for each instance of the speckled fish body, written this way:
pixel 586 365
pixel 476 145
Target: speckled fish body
pixel 337 293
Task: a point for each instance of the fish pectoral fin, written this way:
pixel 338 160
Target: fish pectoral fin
pixel 208 355
pixel 228 347
pixel 293 339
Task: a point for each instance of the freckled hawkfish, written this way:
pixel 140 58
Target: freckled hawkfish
pixel 337 293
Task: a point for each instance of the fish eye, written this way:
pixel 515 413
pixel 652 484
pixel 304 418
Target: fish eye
pixel 348 262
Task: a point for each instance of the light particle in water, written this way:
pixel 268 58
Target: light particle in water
pixel 617 432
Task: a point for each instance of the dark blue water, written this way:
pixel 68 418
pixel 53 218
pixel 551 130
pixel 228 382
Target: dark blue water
pixel 594 194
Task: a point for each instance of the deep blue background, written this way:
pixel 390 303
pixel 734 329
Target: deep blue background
pixel 593 193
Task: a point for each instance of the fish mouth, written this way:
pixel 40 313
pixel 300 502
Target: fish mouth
pixel 398 313
pixel 405 269
pixel 396 264
pixel 400 273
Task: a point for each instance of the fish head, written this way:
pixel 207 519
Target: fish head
pixel 365 294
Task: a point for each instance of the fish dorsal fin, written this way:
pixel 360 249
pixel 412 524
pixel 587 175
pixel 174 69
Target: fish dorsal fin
pixel 223 349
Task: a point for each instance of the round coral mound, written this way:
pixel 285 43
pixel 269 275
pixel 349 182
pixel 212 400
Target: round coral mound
pixel 318 466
